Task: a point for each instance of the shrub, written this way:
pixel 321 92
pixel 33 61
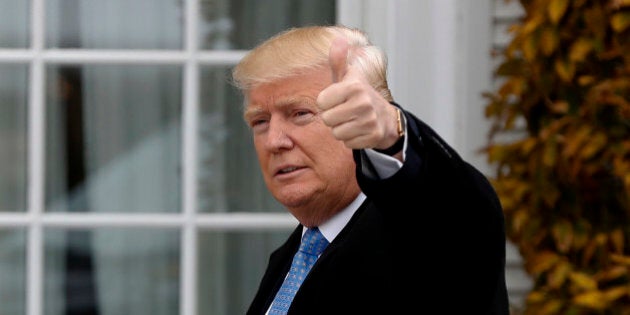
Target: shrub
pixel 560 141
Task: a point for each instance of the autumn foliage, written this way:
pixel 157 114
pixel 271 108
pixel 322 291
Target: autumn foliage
pixel 561 146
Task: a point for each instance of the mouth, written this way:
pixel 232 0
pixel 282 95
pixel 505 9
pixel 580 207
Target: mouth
pixel 287 170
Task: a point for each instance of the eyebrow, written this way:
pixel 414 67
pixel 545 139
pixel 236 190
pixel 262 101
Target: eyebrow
pixel 253 110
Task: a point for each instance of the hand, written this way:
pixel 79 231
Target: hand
pixel 357 114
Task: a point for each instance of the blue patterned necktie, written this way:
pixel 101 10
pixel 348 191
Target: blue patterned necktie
pixel 313 244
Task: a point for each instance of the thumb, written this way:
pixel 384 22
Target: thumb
pixel 338 58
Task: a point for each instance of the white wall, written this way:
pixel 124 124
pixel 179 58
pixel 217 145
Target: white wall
pixel 439 61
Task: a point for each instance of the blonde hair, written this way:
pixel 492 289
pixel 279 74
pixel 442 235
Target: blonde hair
pixel 297 50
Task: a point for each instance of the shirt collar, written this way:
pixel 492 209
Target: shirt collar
pixel 331 228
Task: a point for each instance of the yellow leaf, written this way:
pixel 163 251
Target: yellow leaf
pixel 586 79
pixel 551 307
pixel 580 49
pixel 583 281
pixel 581 233
pixel 529 48
pixel 528 145
pixel 617 240
pixel 595 144
pixel 535 297
pixel 612 273
pixel 592 299
pixel 575 141
pixel 601 239
pixel 551 153
pixel 619 3
pixel 531 24
pixel 615 293
pixel 543 262
pixel 558 275
pixel 519 220
pixel 560 107
pixel 620 259
pixel 548 41
pixel 562 232
pixel 556 10
pixel 620 21
pixel 564 69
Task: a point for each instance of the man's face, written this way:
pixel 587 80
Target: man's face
pixel 304 166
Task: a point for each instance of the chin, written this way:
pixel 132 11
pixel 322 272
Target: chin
pixel 294 198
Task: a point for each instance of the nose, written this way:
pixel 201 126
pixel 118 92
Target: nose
pixel 277 136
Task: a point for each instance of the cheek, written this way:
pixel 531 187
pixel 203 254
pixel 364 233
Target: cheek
pixel 261 154
pixel 335 155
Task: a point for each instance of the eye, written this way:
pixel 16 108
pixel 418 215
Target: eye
pixel 302 114
pixel 258 124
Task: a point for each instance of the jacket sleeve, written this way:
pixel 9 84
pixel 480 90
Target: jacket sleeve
pixel 448 210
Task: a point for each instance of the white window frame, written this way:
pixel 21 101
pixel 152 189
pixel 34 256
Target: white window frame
pixel 416 35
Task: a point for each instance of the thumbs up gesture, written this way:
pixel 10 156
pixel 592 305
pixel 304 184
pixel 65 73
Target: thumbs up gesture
pixel 357 114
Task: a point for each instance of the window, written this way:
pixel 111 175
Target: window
pixel 128 184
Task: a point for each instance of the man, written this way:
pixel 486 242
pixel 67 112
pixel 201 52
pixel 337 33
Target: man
pixel 406 226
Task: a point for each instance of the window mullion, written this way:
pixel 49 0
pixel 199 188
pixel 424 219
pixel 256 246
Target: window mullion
pixel 36 145
pixel 188 291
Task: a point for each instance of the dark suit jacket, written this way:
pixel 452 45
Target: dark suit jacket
pixel 428 240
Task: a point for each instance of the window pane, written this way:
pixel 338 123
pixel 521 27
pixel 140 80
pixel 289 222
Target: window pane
pixel 114 24
pixel 111 271
pixel 113 138
pixel 229 176
pixel 13 136
pixel 231 265
pixel 241 24
pixel 13 275
pixel 14 20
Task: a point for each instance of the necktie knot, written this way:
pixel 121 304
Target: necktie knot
pixel 313 242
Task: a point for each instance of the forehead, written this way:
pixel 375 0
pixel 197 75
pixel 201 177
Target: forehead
pixel 296 89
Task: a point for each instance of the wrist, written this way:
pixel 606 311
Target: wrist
pixel 400 142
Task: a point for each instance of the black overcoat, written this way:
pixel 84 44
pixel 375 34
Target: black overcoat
pixel 428 240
